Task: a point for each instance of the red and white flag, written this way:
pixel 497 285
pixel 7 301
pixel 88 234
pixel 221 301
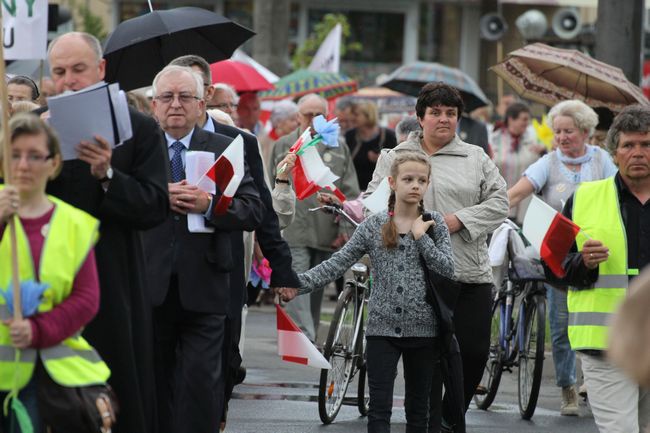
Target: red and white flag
pixel 550 232
pixel 294 346
pixel 227 173
pixel 310 173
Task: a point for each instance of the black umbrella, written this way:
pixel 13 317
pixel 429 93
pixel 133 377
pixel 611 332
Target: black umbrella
pixel 442 294
pixel 140 47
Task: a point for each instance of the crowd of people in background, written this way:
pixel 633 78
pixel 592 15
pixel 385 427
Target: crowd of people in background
pixel 174 299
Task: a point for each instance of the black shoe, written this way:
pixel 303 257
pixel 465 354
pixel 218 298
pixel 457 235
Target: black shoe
pixel 240 376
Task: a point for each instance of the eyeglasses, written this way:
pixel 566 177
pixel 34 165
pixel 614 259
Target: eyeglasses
pixel 31 158
pixel 225 106
pixel 312 114
pixel 184 98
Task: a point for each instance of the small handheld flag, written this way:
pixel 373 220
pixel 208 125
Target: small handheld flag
pixel 294 346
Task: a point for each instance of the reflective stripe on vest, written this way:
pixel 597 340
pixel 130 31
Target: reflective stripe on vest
pixel 591 309
pixel 71 235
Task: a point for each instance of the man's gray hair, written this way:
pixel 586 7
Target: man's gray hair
pixel 584 117
pixel 228 89
pixel 310 96
pixel 198 61
pixel 175 69
pixel 89 39
pixel 283 110
pixel 407 125
pixel 345 103
pixel 633 118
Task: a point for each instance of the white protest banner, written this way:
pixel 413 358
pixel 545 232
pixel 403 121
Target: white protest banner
pixel 328 56
pixel 24 23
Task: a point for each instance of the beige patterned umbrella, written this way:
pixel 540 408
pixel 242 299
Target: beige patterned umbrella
pixel 550 75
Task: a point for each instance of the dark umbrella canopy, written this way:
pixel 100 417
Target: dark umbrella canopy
pixel 409 79
pixel 140 47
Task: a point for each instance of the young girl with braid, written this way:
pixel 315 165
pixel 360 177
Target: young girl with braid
pixel 400 321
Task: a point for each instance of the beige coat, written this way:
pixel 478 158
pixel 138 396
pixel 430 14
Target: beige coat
pixel 316 229
pixel 465 182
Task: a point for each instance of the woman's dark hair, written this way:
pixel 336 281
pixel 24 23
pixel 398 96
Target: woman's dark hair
pixel 514 110
pixel 438 93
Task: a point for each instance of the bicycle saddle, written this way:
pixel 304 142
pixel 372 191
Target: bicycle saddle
pixel 523 268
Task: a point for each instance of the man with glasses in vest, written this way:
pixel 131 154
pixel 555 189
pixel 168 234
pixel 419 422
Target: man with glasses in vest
pixel 613 245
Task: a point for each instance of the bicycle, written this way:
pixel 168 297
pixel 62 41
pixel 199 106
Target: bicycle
pixel 517 341
pixel 345 344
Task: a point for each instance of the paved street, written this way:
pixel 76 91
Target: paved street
pixel 280 397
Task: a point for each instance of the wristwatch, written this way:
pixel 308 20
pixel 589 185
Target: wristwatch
pixel 109 175
pixel 282 181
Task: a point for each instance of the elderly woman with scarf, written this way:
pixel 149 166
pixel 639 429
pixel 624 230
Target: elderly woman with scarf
pixel 555 177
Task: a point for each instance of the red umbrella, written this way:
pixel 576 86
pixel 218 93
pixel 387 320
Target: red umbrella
pixel 242 77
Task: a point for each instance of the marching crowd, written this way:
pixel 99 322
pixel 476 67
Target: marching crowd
pixel 123 293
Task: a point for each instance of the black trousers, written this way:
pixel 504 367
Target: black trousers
pixel 188 367
pixel 421 356
pixel 472 323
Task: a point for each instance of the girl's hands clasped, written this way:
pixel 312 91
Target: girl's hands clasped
pixel 9 202
pixel 420 227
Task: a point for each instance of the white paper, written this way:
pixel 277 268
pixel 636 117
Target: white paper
pixel 81 115
pixel 121 113
pixel 378 200
pixel 197 163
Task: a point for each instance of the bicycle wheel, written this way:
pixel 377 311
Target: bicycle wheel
pixel 489 384
pixel 531 355
pixel 363 394
pixel 339 351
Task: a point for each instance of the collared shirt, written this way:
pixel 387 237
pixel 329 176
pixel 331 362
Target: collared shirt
pixel 208 125
pixel 186 143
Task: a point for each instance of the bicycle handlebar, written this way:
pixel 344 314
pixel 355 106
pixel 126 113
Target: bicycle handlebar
pixel 337 210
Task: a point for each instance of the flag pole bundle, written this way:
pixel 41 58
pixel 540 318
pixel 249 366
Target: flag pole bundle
pixel 551 233
pixel 310 174
pixel 227 173
pixel 294 346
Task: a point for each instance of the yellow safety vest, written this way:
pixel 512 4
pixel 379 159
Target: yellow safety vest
pixel 73 362
pixel 596 210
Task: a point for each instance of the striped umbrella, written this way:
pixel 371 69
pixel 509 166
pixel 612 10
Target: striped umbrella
pixel 410 78
pixel 328 85
pixel 549 75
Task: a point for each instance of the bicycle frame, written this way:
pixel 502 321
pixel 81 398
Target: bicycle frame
pixel 507 332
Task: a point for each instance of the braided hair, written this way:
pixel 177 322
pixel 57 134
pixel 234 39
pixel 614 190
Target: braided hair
pixel 389 229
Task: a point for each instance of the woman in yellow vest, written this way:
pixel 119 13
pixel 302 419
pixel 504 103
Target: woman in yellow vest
pixel 55 251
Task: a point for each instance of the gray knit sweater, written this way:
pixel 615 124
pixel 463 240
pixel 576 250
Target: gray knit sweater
pixel 397 305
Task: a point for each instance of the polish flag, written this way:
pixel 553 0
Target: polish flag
pixel 294 346
pixel 378 201
pixel 227 173
pixel 551 233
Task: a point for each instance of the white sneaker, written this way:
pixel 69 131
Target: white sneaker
pixel 569 405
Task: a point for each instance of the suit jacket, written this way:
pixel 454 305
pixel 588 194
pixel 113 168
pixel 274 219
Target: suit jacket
pixel 274 247
pixel 202 262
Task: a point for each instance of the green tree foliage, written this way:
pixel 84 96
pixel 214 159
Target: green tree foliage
pixel 305 53
pixel 86 21
pixel 91 23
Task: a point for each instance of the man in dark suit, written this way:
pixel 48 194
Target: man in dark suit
pixel 189 272
pixel 126 189
pixel 273 246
